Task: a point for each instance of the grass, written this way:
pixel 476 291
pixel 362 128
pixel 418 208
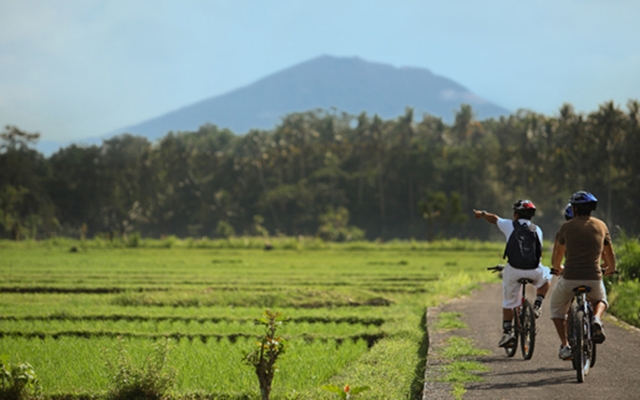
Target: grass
pixel 449 321
pixel 457 357
pixel 460 370
pixel 356 309
pixel 624 300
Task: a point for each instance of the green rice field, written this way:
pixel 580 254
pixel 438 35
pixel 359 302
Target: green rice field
pixel 356 312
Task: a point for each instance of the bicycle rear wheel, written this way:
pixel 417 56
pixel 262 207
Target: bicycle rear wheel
pixel 581 350
pixel 593 345
pixel 527 330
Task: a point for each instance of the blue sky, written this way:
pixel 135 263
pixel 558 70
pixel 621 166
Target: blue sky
pixel 72 69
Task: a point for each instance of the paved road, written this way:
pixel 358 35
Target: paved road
pixel 616 374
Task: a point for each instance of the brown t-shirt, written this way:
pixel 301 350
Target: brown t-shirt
pixel 585 237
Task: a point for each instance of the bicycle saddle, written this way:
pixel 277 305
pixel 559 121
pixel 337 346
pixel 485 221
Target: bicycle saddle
pixel 580 289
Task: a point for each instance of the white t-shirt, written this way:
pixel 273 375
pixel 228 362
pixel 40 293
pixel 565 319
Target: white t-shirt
pixel 506 227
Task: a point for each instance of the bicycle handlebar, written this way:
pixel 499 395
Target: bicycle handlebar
pixel 497 268
pixel 614 272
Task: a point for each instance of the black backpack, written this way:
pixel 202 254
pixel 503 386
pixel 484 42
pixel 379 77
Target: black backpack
pixel 523 248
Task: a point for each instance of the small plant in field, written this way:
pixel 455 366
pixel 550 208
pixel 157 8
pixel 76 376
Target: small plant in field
pixel 151 381
pixel 264 356
pixel 346 392
pixel 18 381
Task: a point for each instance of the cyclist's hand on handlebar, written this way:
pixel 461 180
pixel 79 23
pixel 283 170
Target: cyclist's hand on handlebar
pixel 559 271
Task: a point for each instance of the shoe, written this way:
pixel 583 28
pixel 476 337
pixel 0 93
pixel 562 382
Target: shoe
pixel 565 353
pixel 508 340
pixel 597 331
pixel 537 310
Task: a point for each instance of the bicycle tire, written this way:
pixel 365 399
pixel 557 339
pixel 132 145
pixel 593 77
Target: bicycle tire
pixel 511 350
pixel 581 361
pixel 589 346
pixel 571 334
pixel 527 330
pixel 593 345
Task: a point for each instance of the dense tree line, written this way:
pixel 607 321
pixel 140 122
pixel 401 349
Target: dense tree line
pixel 328 173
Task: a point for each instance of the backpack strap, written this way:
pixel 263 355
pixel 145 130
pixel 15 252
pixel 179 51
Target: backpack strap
pixel 515 226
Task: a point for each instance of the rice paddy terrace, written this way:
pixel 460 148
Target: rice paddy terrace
pixel 355 313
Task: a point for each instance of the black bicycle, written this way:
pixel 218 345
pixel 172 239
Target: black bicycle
pixel 525 321
pixel 580 333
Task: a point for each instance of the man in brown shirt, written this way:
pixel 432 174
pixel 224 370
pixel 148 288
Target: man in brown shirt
pixel 583 240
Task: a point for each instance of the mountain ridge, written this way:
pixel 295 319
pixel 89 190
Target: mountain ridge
pixel 348 84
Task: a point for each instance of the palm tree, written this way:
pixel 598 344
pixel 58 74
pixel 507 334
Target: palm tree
pixel 608 123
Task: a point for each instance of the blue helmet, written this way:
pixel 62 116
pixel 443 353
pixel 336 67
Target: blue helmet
pixel 582 197
pixel 583 201
pixel 568 212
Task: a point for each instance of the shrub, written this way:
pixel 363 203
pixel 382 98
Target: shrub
pixel 151 381
pixel 628 258
pixel 629 266
pixel 169 241
pixel 133 240
pixel 225 230
pixel 18 381
pixel 334 226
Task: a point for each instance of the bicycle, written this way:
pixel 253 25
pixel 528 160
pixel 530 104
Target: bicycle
pixel 525 321
pixel 580 333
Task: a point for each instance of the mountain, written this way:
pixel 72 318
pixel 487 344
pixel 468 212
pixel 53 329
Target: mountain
pixel 348 84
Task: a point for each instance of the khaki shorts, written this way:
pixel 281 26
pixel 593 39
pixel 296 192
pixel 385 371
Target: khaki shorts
pixel 563 293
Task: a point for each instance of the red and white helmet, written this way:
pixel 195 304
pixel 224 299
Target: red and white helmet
pixel 524 208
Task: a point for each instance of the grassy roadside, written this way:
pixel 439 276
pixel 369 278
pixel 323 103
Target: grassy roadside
pixel 623 290
pixel 454 363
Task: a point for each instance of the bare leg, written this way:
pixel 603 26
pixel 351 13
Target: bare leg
pixel 561 327
pixel 542 290
pixel 598 309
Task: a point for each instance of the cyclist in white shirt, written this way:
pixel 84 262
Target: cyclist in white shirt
pixel 523 211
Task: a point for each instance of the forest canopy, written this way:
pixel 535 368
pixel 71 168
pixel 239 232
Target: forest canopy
pixel 327 174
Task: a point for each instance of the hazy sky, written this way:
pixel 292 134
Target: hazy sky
pixel 73 69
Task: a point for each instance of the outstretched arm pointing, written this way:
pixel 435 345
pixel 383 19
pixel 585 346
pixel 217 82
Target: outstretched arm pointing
pixel 487 216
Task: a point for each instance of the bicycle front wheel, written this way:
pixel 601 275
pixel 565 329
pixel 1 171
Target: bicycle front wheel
pixel 527 330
